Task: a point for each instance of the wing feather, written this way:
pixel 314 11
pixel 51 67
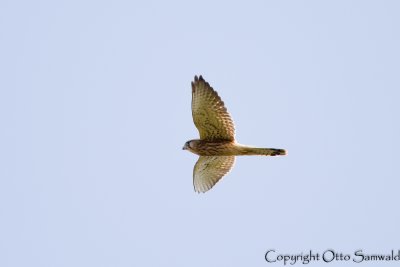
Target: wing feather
pixel 209 170
pixel 210 115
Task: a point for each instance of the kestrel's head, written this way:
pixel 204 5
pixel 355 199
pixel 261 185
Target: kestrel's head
pixel 186 146
pixel 189 145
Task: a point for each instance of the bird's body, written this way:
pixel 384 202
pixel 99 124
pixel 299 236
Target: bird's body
pixel 217 146
pixel 229 148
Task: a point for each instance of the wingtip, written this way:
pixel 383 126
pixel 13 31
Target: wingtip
pixel 197 81
pixel 198 78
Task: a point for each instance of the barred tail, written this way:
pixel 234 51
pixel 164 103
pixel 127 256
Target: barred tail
pixel 262 151
pixel 270 151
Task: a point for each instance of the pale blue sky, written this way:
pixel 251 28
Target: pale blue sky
pixel 95 108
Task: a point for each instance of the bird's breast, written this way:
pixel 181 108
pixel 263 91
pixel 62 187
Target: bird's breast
pixel 207 148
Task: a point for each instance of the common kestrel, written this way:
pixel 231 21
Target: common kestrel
pixel 217 146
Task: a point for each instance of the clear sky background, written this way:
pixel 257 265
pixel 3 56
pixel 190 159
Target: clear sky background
pixel 95 108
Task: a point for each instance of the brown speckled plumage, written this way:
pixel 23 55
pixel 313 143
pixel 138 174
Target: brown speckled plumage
pixel 216 147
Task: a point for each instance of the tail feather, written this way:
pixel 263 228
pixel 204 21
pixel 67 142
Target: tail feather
pixel 270 151
pixel 262 151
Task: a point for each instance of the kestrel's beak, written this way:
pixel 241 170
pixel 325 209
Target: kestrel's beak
pixel 185 146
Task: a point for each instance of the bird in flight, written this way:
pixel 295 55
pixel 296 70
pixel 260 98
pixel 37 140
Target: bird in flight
pixel 217 146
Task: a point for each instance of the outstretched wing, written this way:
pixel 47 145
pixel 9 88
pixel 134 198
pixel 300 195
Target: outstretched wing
pixel 209 113
pixel 209 170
